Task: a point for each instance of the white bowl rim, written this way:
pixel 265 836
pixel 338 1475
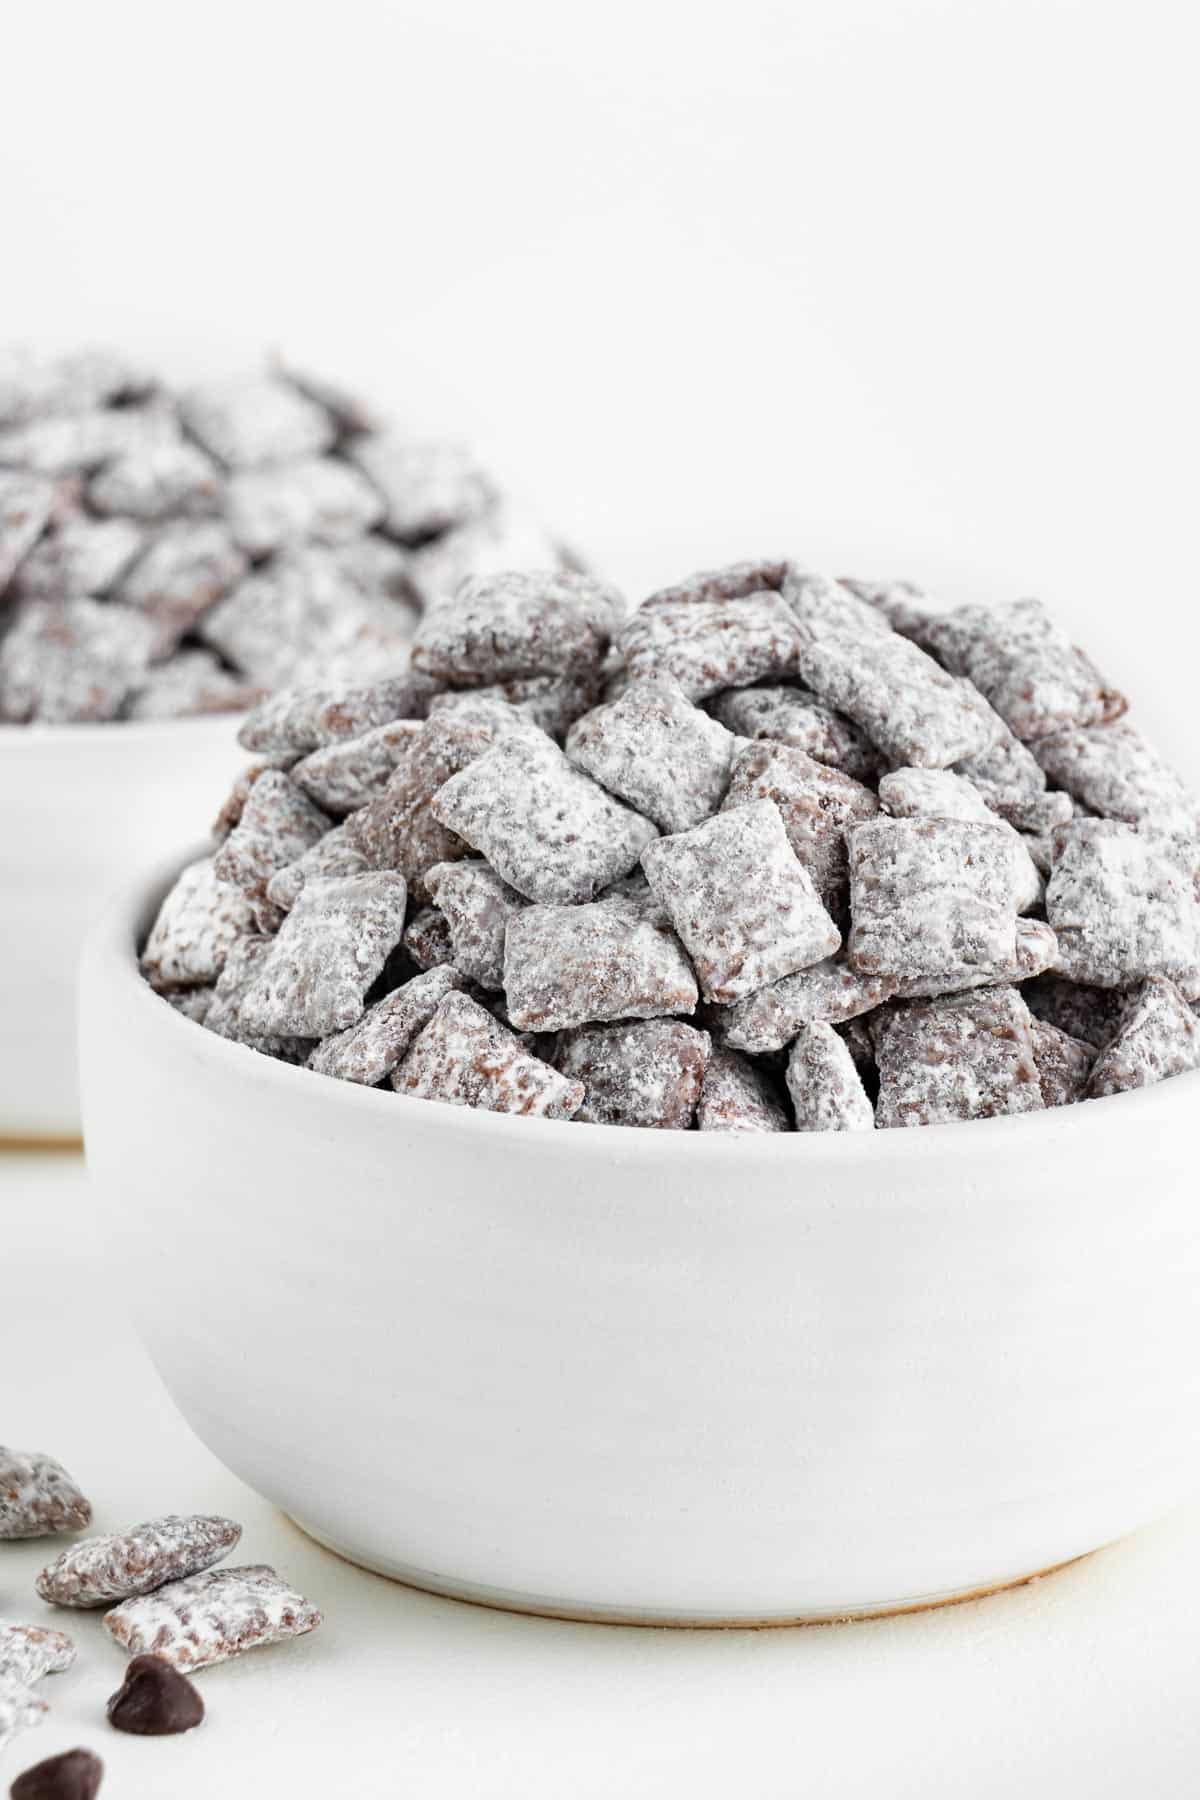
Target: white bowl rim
pixel 113 944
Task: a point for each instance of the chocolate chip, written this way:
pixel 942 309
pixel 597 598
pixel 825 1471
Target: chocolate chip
pixel 76 1775
pixel 154 1700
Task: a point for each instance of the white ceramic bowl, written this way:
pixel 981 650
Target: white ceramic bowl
pixel 77 803
pixel 650 1376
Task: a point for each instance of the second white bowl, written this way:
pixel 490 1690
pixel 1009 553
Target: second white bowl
pixel 80 805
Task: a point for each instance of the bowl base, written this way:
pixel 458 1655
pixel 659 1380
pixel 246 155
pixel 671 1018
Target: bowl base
pixel 534 1606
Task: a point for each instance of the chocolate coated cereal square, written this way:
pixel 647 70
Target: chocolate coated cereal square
pixel 743 904
pixel 1158 1036
pixel 655 750
pixel 826 1089
pixel 1122 900
pixel 464 1057
pixel 514 625
pixel 737 1096
pixel 329 950
pixel 649 1072
pixel 616 958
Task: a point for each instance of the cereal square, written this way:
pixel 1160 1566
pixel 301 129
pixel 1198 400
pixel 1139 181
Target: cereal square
pixel 941 794
pixel 38 1497
pixel 302 608
pixel 277 825
pixel 71 660
pixel 245 421
pixel 79 558
pixel 737 1096
pixel 827 993
pixel 545 826
pixel 427 487
pixel 1123 904
pixel 196 924
pixel 329 950
pixel 711 644
pixel 825 1087
pixel 341 777
pixel 477 907
pixel 794 715
pixel 154 480
pixel 333 854
pixel 1026 666
pixel 191 683
pixel 616 958
pixel 1158 1036
pixel 1115 772
pixel 493 544
pixel 970 1056
pixel 300 720
pixel 931 903
pixel 909 707
pixel 464 1057
pixel 655 750
pixel 187 568
pixel 1064 1064
pixel 742 902
pixel 649 1072
pixel 517 624
pixel 99 1570
pixel 1090 1014
pixel 320 498
pixel 210 1617
pixel 817 804
pixel 369 1051
pixel 26 505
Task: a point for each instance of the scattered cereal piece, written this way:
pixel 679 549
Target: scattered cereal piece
pixel 26 505
pixel 655 750
pixel 736 1096
pixel 827 993
pixel 19 1710
pixel 369 1051
pixel 38 1497
pixel 616 958
pixel 276 826
pixel 188 567
pixel 1158 1036
pixel 196 924
pixel 427 488
pixel 245 421
pixel 1115 772
pixel 78 558
pixel 817 804
pixel 941 794
pixel 1025 665
pixel 503 627
pixel 29 1652
pixel 74 1775
pixel 1064 1064
pixel 464 1057
pixel 550 831
pixel 711 644
pixel 329 950
pixel 154 1700
pixel 71 660
pixel 99 1570
pixel 907 705
pixel 341 777
pixel 741 900
pixel 646 1073
pixel 793 715
pixel 931 903
pixel 970 1056
pixel 1090 1014
pixel 827 1092
pixel 208 1618
pixel 1123 904
pixel 157 479
pixel 426 940
pixel 477 907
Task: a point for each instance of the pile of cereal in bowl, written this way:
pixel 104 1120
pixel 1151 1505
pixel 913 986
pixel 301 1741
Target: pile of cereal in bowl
pixel 773 852
pixel 170 553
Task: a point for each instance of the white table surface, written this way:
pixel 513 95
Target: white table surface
pixel 1082 1684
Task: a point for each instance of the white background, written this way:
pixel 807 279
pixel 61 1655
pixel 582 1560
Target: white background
pixel 904 288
